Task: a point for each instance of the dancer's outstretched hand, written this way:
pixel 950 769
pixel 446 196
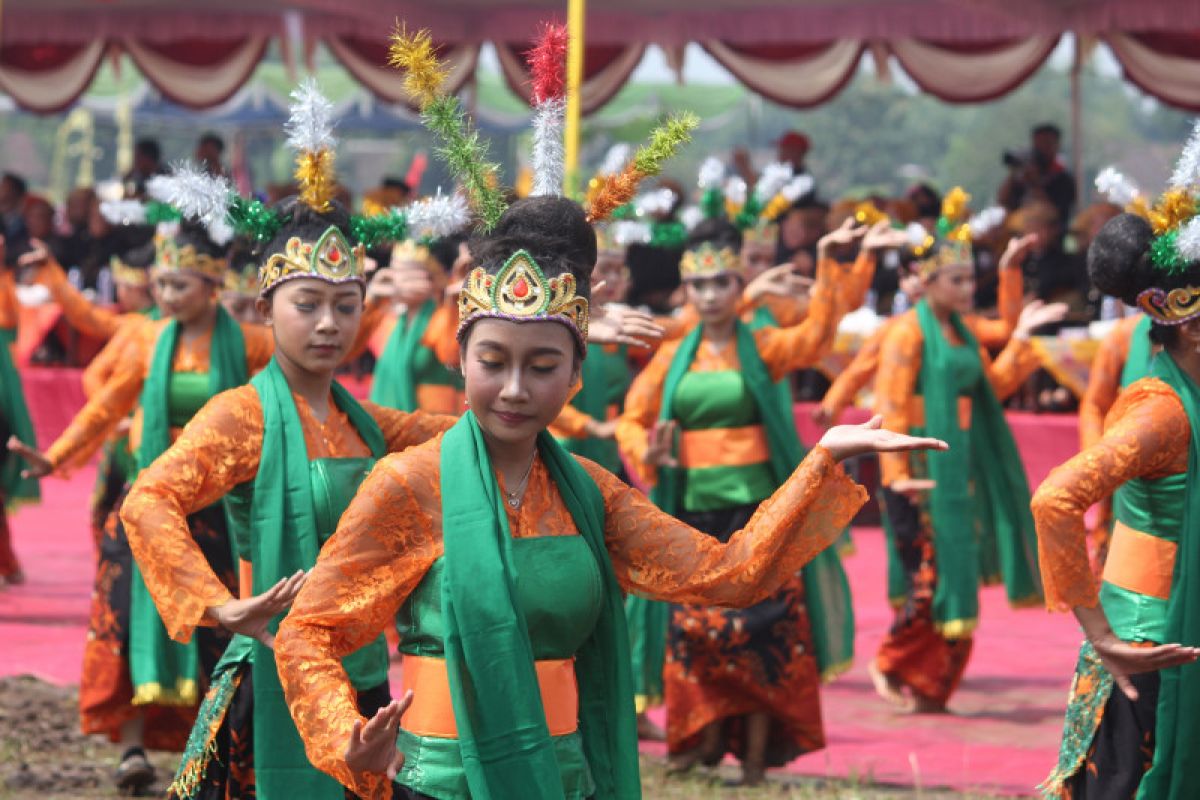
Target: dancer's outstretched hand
pixel 661 449
pixel 1037 314
pixel 39 465
pixel 845 441
pixel 780 281
pixel 372 746
pixel 251 616
pixel 612 323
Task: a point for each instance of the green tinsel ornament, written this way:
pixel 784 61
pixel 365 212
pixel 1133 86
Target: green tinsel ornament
pixel 250 217
pixel 1164 254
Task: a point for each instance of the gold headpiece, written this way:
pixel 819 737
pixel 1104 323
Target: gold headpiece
pixel 171 257
pixel 242 281
pixel 1173 307
pixel 953 245
pixel 706 260
pixel 410 251
pixel 763 232
pixel 867 213
pixel 330 258
pixel 126 275
pixel 520 292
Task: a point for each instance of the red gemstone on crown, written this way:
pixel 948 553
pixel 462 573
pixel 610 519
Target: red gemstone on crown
pixel 335 255
pixel 521 289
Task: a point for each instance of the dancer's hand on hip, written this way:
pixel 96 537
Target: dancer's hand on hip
pixel 251 616
pixel 372 747
pixel 846 441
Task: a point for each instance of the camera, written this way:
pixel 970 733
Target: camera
pixel 1015 159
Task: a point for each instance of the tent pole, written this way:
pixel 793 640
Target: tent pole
pixel 1077 120
pixel 576 11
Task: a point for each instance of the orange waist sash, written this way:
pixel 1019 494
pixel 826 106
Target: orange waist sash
pixel 724 447
pixel 1140 562
pixel 916 412
pixel 432 711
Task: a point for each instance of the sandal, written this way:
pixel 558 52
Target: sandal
pixel 135 773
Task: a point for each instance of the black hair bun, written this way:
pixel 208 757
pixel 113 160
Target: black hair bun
pixel 554 230
pixel 1119 258
pixel 302 220
pixel 196 235
pixel 720 233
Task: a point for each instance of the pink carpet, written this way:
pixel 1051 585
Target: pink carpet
pixel 1002 737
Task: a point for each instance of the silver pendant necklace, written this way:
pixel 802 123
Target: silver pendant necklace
pixel 514 497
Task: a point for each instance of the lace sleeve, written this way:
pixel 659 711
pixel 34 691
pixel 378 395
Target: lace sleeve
pixel 658 556
pixel 405 429
pixel 218 450
pixel 895 384
pixel 1148 435
pixel 1104 384
pixel 786 350
pixel 855 377
pixel 1016 362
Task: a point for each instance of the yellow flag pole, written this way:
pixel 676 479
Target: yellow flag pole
pixel 576 11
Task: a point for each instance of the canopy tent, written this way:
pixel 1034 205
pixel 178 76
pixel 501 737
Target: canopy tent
pixel 799 53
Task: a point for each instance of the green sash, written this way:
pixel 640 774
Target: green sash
pixel 280 529
pixel 13 488
pixel 507 751
pixel 991 489
pixel 395 382
pixel 827 590
pixel 164 671
pixel 1174 775
pixel 1137 360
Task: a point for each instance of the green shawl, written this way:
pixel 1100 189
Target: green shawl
pixel 13 488
pixel 992 489
pixel 827 590
pixel 395 383
pixel 507 751
pixel 1174 774
pixel 285 538
pixel 1137 360
pixel 162 670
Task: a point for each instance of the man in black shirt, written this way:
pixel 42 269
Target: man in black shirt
pixel 1039 174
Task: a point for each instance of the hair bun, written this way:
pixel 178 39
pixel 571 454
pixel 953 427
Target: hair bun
pixel 1119 257
pixel 554 230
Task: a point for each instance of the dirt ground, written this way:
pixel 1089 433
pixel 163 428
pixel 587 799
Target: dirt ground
pixel 43 756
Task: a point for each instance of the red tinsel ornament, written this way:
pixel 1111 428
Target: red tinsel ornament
pixel 547 61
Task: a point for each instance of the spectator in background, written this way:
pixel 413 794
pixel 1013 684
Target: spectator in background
pixel 38 216
pixel 147 162
pixel 1051 273
pixel 12 204
pixel 1038 174
pixel 791 148
pixel 75 240
pixel 400 188
pixel 210 149
pixel 926 204
pixel 800 228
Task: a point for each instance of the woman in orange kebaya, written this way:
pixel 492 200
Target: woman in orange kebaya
pixel 520 688
pixel 961 518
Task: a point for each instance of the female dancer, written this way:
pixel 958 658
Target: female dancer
pixel 960 518
pixel 740 681
pixel 521 688
pixel 1132 692
pixel 137 685
pixel 408 374
pixel 15 486
pixel 291 447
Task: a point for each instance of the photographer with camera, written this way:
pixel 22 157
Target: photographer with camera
pixel 1038 174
